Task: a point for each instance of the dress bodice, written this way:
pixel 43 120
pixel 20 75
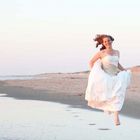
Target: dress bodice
pixel 110 64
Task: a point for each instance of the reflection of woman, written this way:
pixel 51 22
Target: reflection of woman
pixel 107 80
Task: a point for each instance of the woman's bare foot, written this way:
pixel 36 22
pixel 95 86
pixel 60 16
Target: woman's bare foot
pixel 117 122
pixel 116 118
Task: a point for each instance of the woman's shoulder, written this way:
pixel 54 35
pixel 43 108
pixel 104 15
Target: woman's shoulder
pixel 102 52
pixel 117 52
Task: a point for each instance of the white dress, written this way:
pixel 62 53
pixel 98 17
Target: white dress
pixel 107 84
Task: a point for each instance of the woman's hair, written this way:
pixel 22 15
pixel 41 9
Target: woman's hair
pixel 99 39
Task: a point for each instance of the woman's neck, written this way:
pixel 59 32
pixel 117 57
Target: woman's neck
pixel 109 49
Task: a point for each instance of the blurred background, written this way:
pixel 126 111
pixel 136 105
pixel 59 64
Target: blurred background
pixel 45 36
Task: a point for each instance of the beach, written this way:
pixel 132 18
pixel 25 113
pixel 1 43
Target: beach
pixel 48 49
pixel 52 106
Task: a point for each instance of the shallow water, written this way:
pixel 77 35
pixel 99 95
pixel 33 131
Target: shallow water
pixel 21 77
pixel 14 77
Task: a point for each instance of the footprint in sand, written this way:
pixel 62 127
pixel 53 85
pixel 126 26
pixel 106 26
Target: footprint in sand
pixel 76 116
pixel 104 129
pixel 68 110
pixel 91 124
pixel 75 112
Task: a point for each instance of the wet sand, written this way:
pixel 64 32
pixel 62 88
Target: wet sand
pixel 44 120
pixel 52 107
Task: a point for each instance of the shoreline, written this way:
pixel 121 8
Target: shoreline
pixel 67 89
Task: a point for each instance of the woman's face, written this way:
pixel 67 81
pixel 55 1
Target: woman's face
pixel 107 42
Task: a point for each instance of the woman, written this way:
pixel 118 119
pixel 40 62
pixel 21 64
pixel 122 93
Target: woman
pixel 107 80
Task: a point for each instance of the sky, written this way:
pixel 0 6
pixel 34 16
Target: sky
pixel 40 36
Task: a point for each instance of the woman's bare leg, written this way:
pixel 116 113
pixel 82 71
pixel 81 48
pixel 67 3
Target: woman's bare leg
pixel 116 118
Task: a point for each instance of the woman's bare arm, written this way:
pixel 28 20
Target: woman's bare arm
pixel 119 65
pixel 94 59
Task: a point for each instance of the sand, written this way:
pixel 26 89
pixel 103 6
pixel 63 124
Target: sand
pixel 47 104
pixel 68 88
pixel 43 120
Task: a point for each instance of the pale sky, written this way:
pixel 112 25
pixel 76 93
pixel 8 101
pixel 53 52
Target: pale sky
pixel 40 36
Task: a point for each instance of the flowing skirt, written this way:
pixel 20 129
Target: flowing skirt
pixel 104 91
